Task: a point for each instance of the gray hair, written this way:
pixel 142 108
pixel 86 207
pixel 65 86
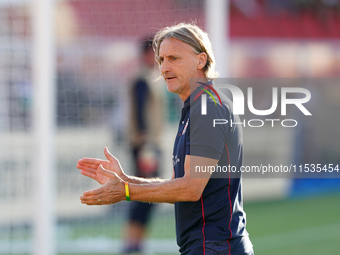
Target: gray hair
pixel 194 37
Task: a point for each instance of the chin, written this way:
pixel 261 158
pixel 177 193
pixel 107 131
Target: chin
pixel 172 87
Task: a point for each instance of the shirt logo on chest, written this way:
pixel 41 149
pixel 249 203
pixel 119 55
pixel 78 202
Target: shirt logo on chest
pixel 185 127
pixel 175 160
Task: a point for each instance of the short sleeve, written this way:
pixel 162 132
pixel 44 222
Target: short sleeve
pixel 205 139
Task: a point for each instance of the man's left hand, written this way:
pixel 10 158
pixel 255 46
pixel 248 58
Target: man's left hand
pixel 113 191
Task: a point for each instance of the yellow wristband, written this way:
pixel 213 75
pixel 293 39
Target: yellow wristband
pixel 127 193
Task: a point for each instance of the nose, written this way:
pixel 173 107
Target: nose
pixel 165 68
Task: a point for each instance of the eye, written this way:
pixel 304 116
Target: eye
pixel 173 58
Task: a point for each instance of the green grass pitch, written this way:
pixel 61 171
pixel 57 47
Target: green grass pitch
pixel 308 226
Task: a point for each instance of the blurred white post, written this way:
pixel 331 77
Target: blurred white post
pixel 217 26
pixel 44 127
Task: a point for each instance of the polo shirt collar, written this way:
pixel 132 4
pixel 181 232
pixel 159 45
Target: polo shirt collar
pixel 195 92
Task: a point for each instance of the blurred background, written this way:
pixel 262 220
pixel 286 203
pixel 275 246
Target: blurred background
pixel 96 47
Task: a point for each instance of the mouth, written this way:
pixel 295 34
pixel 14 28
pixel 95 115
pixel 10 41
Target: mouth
pixel 170 78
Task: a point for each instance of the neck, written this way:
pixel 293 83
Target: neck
pixel 194 84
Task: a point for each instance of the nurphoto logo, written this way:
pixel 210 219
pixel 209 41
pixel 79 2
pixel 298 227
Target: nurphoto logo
pixel 239 104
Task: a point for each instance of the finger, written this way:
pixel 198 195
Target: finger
pixel 94 192
pixel 107 173
pixel 88 169
pixel 88 174
pixel 93 200
pixel 92 173
pixel 81 166
pixel 95 161
pixel 109 156
pixel 94 166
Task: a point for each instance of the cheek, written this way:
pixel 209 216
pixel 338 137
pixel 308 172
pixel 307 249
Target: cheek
pixel 185 71
pixel 191 72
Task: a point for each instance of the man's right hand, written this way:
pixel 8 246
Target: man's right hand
pixel 90 167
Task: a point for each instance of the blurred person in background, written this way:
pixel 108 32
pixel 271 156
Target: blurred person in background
pixel 146 117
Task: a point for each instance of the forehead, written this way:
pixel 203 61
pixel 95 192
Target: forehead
pixel 172 46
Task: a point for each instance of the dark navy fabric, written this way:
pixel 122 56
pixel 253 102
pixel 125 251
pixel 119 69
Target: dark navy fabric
pixel 141 92
pixel 218 216
pixel 222 247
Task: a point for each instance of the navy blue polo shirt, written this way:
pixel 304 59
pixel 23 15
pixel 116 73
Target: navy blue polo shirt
pixel 218 216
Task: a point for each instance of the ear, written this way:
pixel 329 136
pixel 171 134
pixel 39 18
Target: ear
pixel 202 60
